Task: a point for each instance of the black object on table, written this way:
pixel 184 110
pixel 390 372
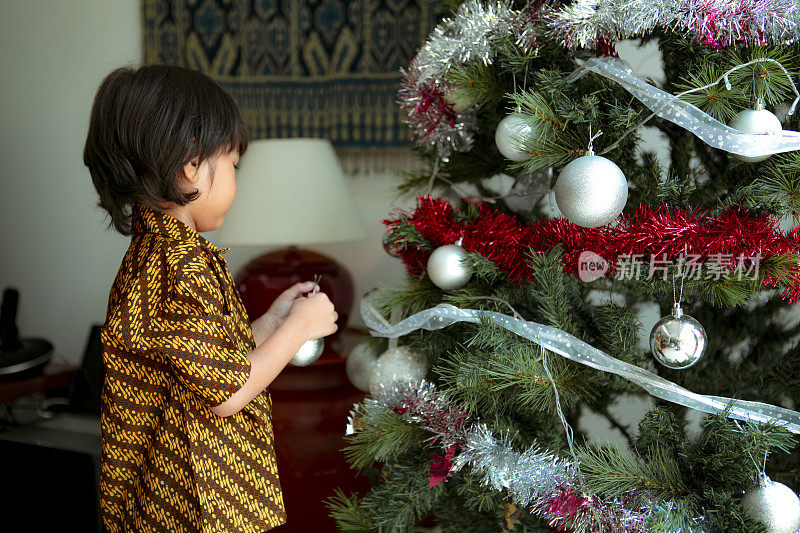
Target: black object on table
pixel 50 468
pixel 19 357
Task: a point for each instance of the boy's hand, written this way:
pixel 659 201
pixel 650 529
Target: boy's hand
pixel 279 310
pixel 316 315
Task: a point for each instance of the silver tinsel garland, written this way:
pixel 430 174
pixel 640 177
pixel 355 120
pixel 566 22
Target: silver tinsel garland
pixel 716 23
pixel 433 120
pixel 546 484
pixel 467 38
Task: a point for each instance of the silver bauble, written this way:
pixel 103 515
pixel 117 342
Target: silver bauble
pixel 678 341
pixel 448 267
pixel 388 247
pixel 591 191
pixel 510 135
pixel 774 505
pixel 359 365
pixel 308 352
pixel 756 122
pixel 396 365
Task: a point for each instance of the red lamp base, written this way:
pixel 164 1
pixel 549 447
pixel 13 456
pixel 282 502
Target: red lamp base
pixel 262 279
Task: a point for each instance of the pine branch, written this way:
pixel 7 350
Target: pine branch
pixel 669 516
pixel 406 234
pixel 476 85
pixel 499 372
pixel 390 436
pixel 613 471
pixel 347 512
pixel 402 497
pixel 418 294
pixel 659 429
pixel 763 79
pixel 717 101
pixel 729 454
pixel 556 294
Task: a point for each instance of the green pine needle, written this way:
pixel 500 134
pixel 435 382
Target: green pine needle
pixel 389 437
pixel 612 471
pixel 348 514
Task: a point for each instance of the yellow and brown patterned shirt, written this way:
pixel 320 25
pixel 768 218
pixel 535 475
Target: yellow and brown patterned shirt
pixel 174 345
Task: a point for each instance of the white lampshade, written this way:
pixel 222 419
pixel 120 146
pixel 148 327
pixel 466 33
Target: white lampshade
pixel 290 192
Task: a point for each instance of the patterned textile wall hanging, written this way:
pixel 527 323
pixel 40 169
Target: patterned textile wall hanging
pixel 299 68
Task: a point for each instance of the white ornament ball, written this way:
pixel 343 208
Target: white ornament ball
pixel 448 267
pixel 774 505
pixel 396 365
pixel 678 341
pixel 510 135
pixel 308 352
pixel 591 191
pixel 756 122
pixel 359 365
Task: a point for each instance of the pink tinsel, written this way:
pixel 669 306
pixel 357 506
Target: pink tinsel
pixel 441 466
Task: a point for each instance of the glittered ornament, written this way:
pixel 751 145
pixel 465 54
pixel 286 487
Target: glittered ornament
pixel 757 121
pixel 448 267
pixel 398 364
pixel 678 341
pixel 510 135
pixel 308 352
pixel 774 505
pixel 591 191
pixel 388 246
pixel 360 362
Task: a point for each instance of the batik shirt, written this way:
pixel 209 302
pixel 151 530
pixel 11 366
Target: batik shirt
pixel 175 342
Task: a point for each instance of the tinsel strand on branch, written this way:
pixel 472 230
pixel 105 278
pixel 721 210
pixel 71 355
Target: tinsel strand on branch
pixel 534 478
pixel 465 38
pixel 651 235
pixel 715 23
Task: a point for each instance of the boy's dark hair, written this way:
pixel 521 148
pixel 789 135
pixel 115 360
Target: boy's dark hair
pixel 146 124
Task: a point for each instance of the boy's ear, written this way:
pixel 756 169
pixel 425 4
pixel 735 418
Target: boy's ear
pixel 190 171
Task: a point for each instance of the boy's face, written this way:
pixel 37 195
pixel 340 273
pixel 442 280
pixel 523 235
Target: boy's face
pixel 216 181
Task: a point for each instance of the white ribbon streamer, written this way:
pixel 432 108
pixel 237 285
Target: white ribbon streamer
pixel 704 126
pixel 574 349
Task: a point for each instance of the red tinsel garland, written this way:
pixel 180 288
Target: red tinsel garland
pixel 648 233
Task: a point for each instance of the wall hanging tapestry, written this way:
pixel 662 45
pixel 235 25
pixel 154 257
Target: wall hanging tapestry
pixel 299 68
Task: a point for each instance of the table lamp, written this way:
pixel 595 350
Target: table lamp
pixel 291 192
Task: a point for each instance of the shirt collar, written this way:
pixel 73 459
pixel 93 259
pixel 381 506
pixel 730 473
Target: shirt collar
pixel 147 220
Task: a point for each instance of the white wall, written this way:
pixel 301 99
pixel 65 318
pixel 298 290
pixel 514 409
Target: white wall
pixel 53 243
pixel 55 250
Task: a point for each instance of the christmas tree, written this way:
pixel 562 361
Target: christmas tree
pixel 543 225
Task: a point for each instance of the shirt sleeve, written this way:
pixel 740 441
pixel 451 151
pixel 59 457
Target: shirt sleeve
pixel 195 334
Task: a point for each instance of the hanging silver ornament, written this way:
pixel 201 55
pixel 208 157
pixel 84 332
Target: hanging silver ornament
pixel 388 246
pixel 448 267
pixel 398 364
pixel 308 352
pixel 360 362
pixel 774 505
pixel 510 135
pixel 678 341
pixel 591 191
pixel 756 121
